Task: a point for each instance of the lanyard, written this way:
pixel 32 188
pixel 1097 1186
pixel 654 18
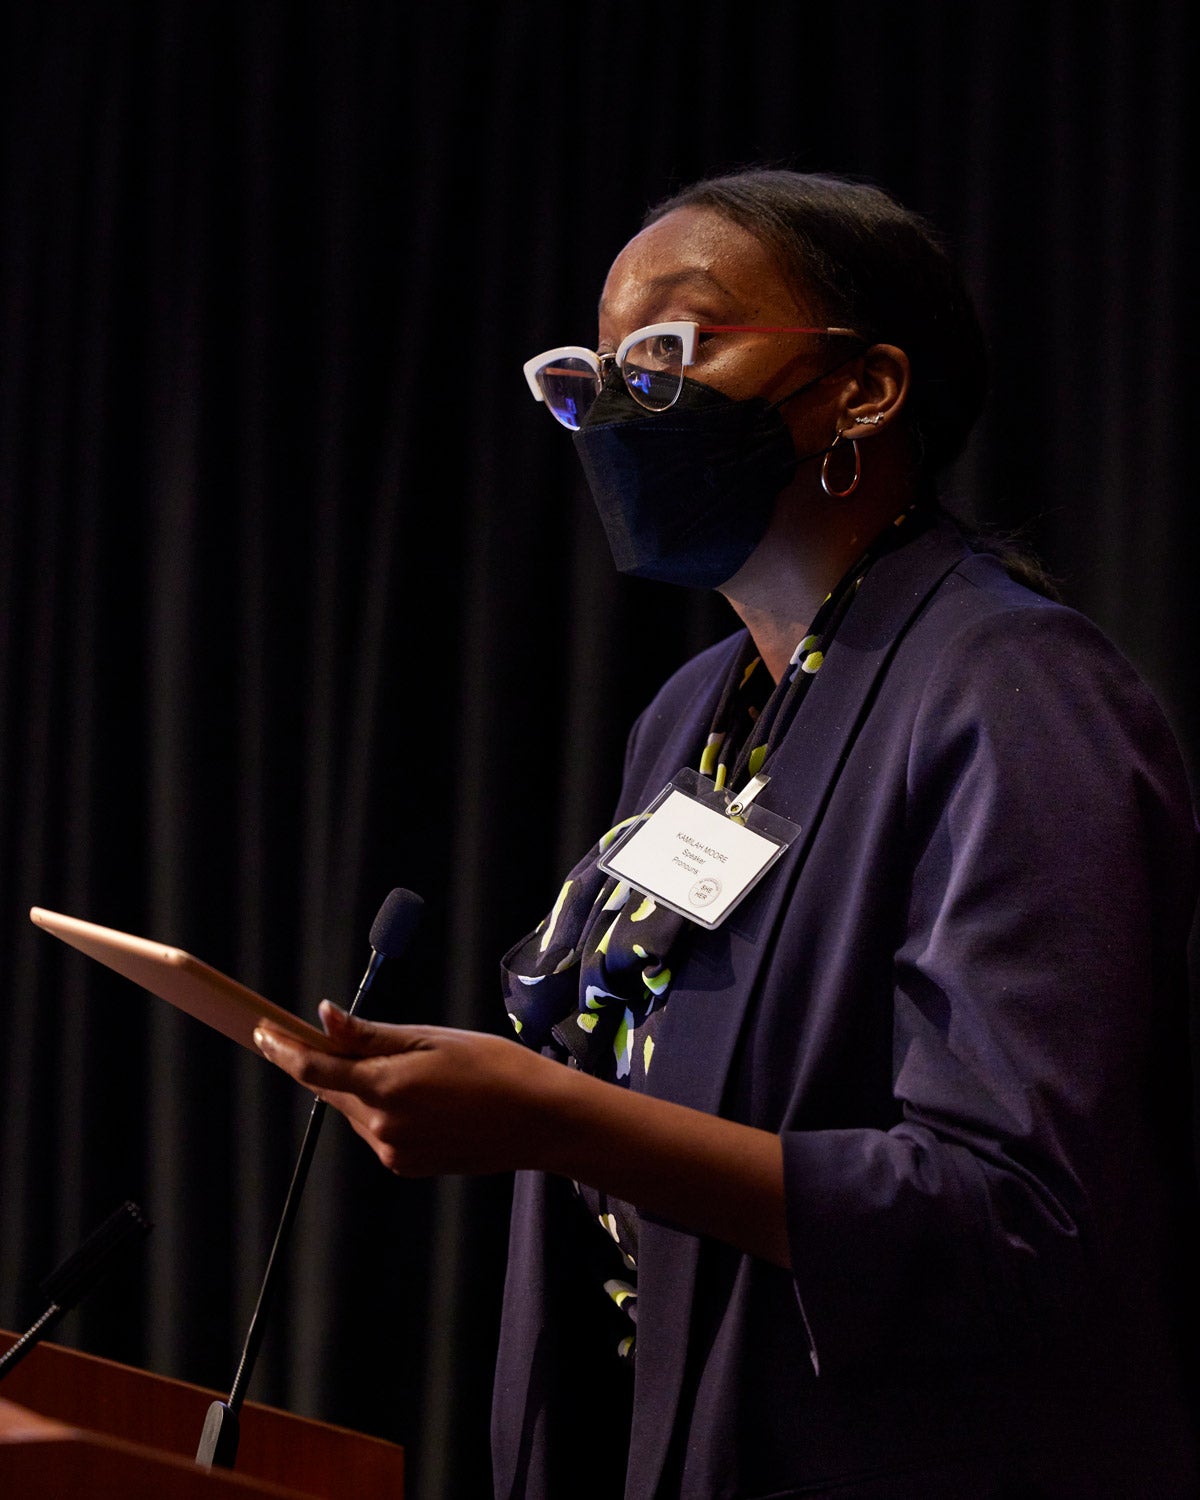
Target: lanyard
pixel 744 728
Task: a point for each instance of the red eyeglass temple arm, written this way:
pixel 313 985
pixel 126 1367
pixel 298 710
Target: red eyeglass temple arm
pixel 759 328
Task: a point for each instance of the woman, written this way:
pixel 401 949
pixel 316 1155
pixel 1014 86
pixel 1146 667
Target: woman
pixel 873 1001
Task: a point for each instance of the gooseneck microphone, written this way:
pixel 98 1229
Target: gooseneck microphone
pixel 78 1274
pixel 391 932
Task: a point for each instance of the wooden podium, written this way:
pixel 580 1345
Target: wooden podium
pixel 75 1425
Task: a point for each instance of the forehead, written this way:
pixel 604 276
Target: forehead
pixel 694 256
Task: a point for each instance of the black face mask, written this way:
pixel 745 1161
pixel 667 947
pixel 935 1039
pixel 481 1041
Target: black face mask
pixel 685 495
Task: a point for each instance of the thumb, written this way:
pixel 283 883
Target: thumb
pixel 352 1037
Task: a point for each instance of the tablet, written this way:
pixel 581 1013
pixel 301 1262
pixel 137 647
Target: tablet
pixel 184 981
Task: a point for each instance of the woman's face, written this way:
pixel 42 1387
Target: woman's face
pixel 694 264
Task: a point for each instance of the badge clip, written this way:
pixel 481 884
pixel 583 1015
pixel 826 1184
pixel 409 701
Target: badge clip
pixel 751 790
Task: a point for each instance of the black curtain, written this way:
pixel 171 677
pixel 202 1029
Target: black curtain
pixel 302 598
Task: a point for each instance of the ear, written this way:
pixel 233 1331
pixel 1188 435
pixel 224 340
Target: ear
pixel 876 394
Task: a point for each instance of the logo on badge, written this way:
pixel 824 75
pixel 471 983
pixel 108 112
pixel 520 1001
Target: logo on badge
pixel 704 892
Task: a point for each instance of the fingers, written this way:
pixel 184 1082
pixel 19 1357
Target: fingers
pixel 350 1034
pixel 347 1083
pixel 357 1068
pixel 355 1037
pixel 314 1069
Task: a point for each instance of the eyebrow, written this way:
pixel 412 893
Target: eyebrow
pixel 671 280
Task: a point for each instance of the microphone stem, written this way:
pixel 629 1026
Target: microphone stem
pixel 30 1337
pixel 307 1147
pixel 257 1322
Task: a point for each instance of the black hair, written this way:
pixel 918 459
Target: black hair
pixel 875 266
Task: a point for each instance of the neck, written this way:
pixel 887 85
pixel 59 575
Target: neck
pixel 807 550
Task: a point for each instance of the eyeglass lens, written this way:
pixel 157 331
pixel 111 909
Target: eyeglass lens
pixel 652 370
pixel 569 386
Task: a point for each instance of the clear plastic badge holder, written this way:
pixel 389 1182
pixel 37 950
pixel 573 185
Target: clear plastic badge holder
pixel 700 851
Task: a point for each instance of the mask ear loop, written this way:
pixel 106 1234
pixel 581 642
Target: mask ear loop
pixel 853 485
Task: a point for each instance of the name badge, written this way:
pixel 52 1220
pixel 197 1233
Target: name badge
pixel 699 851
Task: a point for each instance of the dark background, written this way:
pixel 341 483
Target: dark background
pixel 301 597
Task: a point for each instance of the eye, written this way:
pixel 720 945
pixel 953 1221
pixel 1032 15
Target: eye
pixel 661 349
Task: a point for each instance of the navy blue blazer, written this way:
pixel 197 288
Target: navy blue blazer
pixel 961 999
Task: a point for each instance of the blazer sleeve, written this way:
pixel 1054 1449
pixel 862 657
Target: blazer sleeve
pixel 1039 1011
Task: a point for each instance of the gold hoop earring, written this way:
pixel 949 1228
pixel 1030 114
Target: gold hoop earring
pixel 853 485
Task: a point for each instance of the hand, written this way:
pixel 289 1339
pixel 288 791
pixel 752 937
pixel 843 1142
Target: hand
pixel 426 1099
pixel 431 1099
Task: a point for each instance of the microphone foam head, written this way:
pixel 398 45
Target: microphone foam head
pixel 395 922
